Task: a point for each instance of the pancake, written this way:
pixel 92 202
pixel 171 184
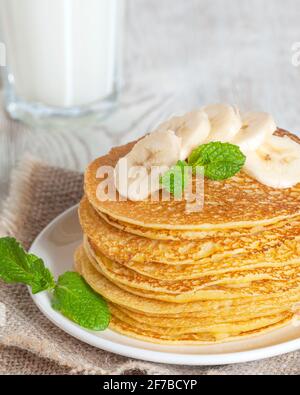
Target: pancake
pixel 226 308
pixel 234 327
pixel 255 289
pixel 280 242
pixel 122 275
pixel 182 235
pixel 192 319
pixel 211 330
pixel 281 255
pixel 125 247
pixel 195 338
pixel 234 203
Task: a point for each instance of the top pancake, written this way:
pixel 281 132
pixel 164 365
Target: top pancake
pixel 236 202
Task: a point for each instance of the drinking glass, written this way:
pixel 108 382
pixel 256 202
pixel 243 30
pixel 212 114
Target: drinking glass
pixel 63 57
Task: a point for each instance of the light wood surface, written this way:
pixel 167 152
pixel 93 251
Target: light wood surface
pixel 180 54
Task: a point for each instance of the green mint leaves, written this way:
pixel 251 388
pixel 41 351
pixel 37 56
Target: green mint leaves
pixel 72 296
pixel 16 266
pixel 75 299
pixel 220 160
pixel 175 179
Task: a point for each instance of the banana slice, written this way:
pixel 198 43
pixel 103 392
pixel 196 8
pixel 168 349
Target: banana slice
pixel 276 163
pixel 225 122
pixel 137 174
pixel 257 126
pixel 193 128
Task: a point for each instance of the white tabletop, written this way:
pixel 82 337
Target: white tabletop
pixel 180 54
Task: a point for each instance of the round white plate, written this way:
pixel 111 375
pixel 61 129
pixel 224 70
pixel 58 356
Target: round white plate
pixel 56 245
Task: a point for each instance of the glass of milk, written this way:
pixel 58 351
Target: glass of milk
pixel 63 57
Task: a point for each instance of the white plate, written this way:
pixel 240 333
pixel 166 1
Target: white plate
pixel 56 245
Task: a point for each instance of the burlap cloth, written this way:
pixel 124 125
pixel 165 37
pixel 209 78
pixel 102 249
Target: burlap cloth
pixel 29 343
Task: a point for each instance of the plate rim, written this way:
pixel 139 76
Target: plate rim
pixel 131 351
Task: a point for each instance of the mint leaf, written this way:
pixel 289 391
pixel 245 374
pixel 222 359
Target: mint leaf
pixel 175 179
pixel 16 266
pixel 220 160
pixel 72 296
pixel 76 300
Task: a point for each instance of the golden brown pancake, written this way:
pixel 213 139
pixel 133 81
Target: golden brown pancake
pixel 192 319
pixel 219 326
pixel 278 242
pixel 190 235
pixel 120 274
pixel 233 203
pixel 233 328
pixel 204 308
pixel 194 338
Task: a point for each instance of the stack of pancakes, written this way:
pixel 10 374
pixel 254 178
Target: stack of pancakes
pixel 229 271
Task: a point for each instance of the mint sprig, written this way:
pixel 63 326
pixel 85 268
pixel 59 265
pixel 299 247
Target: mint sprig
pixel 16 266
pixel 220 160
pixel 75 299
pixel 175 179
pixel 72 296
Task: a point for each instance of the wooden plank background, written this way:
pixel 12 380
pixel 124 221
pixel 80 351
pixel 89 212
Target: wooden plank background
pixel 180 54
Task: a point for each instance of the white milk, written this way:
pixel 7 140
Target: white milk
pixel 62 53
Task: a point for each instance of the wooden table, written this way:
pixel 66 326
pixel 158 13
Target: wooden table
pixel 180 54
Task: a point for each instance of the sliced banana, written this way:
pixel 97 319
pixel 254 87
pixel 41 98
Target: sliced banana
pixel 276 163
pixel 193 128
pixel 256 127
pixel 225 122
pixel 137 173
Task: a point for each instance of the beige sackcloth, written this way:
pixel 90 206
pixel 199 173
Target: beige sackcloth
pixel 29 342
